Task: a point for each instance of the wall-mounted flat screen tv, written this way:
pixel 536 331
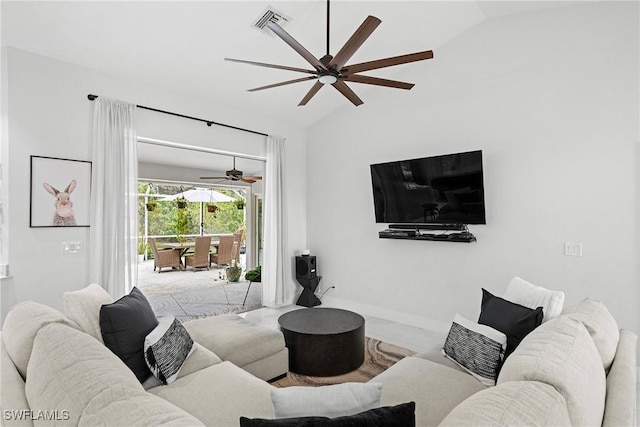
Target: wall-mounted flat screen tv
pixel 447 189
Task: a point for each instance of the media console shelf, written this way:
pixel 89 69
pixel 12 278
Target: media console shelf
pixel 414 232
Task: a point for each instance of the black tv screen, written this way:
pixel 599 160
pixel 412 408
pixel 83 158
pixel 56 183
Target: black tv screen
pixel 446 189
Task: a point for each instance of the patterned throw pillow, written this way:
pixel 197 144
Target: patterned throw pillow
pixel 479 349
pixel 166 349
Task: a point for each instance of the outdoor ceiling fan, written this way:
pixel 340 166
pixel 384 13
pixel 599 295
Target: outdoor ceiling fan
pixel 235 175
pixel 332 70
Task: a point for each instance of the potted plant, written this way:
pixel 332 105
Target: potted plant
pixel 254 275
pixel 181 202
pixel 234 271
pixel 151 205
pixel 181 225
pixel 151 202
pixel 240 203
pixel 212 208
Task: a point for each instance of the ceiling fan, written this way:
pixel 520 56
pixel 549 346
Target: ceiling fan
pixel 332 70
pixel 235 175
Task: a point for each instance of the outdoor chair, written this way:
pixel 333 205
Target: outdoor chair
pixel 164 257
pixel 224 255
pixel 200 256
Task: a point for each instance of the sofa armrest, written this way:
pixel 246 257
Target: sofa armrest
pixel 14 401
pixel 620 408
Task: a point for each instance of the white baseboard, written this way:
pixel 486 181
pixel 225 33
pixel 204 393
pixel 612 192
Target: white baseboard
pixel 383 313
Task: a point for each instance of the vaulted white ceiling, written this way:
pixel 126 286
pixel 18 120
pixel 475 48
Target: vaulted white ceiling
pixel 182 45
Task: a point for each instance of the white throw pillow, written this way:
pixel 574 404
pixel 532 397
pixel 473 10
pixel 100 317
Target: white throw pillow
pixel 326 401
pixel 478 349
pixel 524 293
pixel 83 307
pixel 166 348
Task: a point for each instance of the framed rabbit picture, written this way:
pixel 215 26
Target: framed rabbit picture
pixel 60 192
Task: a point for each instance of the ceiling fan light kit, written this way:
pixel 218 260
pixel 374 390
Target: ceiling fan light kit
pixel 327 79
pixel 333 70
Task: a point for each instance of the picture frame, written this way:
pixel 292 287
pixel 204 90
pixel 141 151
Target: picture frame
pixel 60 192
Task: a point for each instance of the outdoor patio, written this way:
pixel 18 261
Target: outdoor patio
pixel 188 295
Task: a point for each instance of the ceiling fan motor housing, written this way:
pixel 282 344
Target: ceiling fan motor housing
pixel 234 174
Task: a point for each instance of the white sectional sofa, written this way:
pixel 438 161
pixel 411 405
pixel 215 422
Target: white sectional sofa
pixel 576 369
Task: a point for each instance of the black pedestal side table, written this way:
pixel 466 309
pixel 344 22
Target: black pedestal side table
pixel 323 342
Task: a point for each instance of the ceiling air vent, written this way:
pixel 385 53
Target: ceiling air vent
pixel 270 15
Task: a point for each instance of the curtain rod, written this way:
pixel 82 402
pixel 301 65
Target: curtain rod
pixel 92 97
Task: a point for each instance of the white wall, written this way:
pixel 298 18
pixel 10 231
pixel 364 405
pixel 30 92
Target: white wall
pixel 48 115
pixel 551 97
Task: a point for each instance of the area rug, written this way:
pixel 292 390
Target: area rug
pixel 378 357
pixel 198 300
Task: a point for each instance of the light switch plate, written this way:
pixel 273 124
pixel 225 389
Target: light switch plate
pixel 573 248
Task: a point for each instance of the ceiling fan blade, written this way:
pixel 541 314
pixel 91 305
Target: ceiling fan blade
pixel 386 62
pixel 286 37
pixel 378 81
pixel 347 92
pixel 303 79
pixel 279 67
pixel 314 89
pixel 257 178
pixel 357 39
pixel 248 180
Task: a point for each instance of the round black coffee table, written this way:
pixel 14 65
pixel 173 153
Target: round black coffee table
pixel 323 342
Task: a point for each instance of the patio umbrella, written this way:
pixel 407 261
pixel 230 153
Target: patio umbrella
pixel 201 195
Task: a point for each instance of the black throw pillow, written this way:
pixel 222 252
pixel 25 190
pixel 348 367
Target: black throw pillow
pixel 513 320
pixel 124 325
pixel 402 415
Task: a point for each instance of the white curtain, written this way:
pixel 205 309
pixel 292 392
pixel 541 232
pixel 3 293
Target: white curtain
pixel 276 259
pixel 114 200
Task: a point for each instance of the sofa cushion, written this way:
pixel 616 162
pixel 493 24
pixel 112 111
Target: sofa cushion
pixel 515 403
pixel 620 408
pixel 402 415
pixel 439 388
pixel 327 401
pixel 601 325
pixel 514 320
pixel 21 325
pixel 167 348
pixel 83 307
pixel 121 406
pixel 562 354
pixel 69 368
pixel 524 293
pixel 219 395
pixel 124 325
pixel 235 339
pixel 479 349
